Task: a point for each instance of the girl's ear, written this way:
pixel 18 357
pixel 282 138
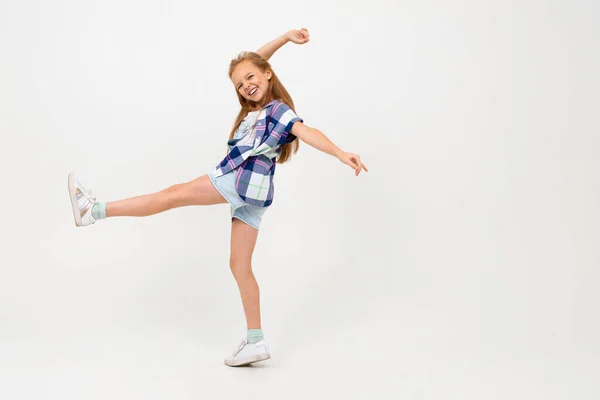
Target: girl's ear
pixel 268 73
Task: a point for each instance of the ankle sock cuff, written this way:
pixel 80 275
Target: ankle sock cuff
pixel 99 210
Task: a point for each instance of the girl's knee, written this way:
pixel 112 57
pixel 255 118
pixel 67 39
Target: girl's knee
pixel 175 195
pixel 240 269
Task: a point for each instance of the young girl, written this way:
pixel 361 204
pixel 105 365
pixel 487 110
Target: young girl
pixel 263 135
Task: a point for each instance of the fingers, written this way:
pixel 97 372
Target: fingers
pixel 356 164
pixel 305 34
pixel 362 166
pixel 352 161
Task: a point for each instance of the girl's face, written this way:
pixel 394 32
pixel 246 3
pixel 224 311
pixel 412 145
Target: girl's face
pixel 250 81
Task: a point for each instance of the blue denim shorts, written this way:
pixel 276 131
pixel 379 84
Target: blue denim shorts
pixel 248 213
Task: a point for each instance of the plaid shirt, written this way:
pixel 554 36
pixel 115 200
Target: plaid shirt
pixel 254 171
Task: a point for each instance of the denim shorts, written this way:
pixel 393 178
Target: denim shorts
pixel 248 213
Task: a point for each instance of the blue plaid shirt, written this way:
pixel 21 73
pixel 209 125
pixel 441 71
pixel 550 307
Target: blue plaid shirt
pixel 254 171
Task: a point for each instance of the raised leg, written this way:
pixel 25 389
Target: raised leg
pixel 199 191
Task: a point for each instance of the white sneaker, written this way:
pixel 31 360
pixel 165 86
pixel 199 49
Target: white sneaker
pixel 82 202
pixel 248 353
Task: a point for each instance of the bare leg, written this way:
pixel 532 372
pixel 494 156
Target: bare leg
pixel 243 240
pixel 199 191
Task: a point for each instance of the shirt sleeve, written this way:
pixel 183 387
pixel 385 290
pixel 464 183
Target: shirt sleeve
pixel 281 124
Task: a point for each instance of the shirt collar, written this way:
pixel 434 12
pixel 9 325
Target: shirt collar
pixel 269 104
pixel 266 106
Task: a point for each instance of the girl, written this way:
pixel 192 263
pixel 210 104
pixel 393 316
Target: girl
pixel 264 134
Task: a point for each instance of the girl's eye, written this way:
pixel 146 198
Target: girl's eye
pixel 249 77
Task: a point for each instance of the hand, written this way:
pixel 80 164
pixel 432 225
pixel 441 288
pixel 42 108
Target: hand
pixel 353 160
pixel 298 36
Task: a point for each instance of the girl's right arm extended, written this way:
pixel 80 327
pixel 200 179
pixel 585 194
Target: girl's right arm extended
pixel 319 141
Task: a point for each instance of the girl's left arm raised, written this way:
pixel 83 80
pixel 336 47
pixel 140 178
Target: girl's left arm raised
pixel 319 141
pixel 300 36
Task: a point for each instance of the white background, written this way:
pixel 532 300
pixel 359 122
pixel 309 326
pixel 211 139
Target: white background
pixel 464 265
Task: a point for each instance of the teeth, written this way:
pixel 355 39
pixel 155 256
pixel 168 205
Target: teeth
pixel 253 91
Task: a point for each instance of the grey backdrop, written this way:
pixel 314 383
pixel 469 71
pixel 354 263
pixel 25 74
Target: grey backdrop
pixel 463 266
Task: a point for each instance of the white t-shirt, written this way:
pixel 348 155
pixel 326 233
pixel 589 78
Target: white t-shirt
pixel 247 134
pixel 245 131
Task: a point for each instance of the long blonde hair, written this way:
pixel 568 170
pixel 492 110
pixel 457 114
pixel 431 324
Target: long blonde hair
pixel 276 91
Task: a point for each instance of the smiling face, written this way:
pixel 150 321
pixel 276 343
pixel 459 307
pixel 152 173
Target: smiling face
pixel 250 82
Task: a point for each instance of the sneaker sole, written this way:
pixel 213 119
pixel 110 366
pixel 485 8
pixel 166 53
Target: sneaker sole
pixel 248 361
pixel 73 197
